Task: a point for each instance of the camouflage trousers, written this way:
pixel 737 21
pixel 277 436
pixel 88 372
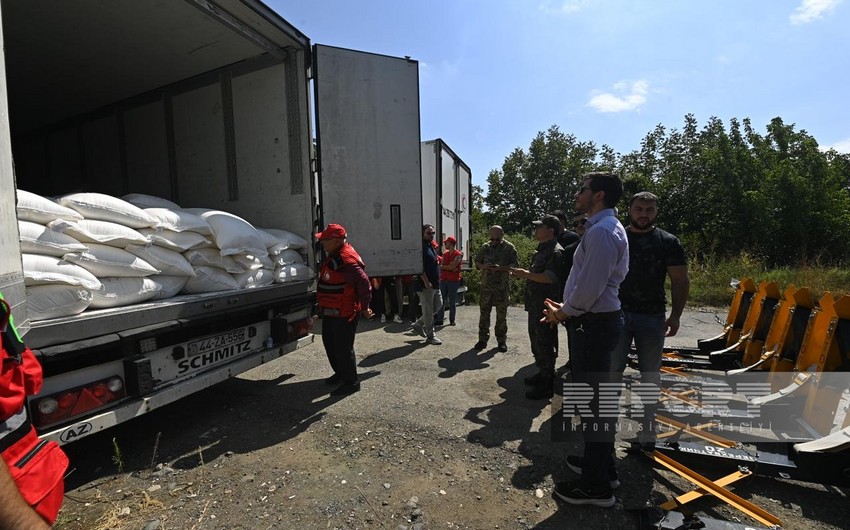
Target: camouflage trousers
pixel 499 299
pixel 544 343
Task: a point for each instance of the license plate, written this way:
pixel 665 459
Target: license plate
pixel 215 342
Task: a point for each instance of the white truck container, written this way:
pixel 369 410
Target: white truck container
pixel 446 198
pixel 446 194
pixel 207 104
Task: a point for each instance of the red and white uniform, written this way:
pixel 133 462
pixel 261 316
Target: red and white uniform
pixel 37 466
pixel 336 293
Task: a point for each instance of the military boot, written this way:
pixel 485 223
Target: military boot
pixel 542 390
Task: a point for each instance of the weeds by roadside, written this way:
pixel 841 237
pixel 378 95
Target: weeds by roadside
pixel 116 456
pixel 710 276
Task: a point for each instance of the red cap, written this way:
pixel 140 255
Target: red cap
pixel 450 239
pixel 332 231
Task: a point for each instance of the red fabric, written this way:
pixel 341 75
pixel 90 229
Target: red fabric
pixel 17 381
pixel 332 231
pixel 333 291
pixel 39 476
pixel 36 466
pixel 448 257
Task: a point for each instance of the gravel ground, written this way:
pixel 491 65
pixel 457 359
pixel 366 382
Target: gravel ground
pixel 438 437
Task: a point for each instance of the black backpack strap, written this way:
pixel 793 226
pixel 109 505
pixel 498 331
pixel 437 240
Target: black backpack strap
pixel 12 345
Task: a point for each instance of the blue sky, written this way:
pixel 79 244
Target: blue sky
pixel 493 73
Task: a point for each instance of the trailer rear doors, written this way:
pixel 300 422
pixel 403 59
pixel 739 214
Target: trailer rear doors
pixel 367 128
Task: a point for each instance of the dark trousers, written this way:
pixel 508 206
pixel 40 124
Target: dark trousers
pixel 394 295
pixel 593 343
pixel 378 305
pixel 544 343
pixel 338 339
pixel 449 290
pixel 412 301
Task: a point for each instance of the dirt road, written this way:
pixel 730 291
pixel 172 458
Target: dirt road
pixel 438 437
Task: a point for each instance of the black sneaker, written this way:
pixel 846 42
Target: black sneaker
pixel 480 345
pixel 576 492
pixel 640 446
pixel 346 389
pixel 332 380
pixel 503 347
pixel 542 390
pixel 534 379
pixel 576 463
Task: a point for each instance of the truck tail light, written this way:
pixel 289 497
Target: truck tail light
pixel 69 404
pixel 299 328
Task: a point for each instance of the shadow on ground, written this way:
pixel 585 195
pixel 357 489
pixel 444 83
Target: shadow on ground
pixel 469 360
pixel 240 416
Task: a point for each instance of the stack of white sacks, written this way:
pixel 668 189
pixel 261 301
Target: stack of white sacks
pixel 89 250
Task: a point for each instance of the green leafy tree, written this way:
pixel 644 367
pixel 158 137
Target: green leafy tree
pixel 477 216
pixel 726 191
pixel 543 179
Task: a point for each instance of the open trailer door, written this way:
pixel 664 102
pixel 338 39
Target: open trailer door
pixel 367 129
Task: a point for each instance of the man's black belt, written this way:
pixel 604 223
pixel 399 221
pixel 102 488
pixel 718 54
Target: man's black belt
pixel 599 317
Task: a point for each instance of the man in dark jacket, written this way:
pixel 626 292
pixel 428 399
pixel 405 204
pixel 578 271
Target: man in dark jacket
pixel 565 236
pixel 542 282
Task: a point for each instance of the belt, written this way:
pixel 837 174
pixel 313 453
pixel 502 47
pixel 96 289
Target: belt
pixel 599 317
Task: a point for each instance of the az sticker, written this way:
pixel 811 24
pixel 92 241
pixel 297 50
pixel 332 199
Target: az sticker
pixel 77 431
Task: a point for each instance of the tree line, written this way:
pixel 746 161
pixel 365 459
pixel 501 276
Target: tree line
pixel 725 192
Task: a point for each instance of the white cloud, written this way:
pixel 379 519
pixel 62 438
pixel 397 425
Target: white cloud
pixel 626 96
pixel 562 7
pixel 811 10
pixel 842 146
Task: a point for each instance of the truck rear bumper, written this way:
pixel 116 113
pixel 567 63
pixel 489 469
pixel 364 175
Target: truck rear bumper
pixel 139 406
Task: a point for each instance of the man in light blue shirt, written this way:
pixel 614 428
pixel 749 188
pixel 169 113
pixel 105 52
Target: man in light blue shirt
pixel 591 310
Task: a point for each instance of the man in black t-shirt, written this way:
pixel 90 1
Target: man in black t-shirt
pixel 653 255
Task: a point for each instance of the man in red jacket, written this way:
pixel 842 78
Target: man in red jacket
pixel 31 486
pixel 343 294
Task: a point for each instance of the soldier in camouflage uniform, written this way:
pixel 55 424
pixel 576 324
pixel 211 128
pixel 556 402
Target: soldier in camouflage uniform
pixel 541 282
pixel 653 255
pixel 494 260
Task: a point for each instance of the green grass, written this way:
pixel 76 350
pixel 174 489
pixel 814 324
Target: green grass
pixel 711 277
